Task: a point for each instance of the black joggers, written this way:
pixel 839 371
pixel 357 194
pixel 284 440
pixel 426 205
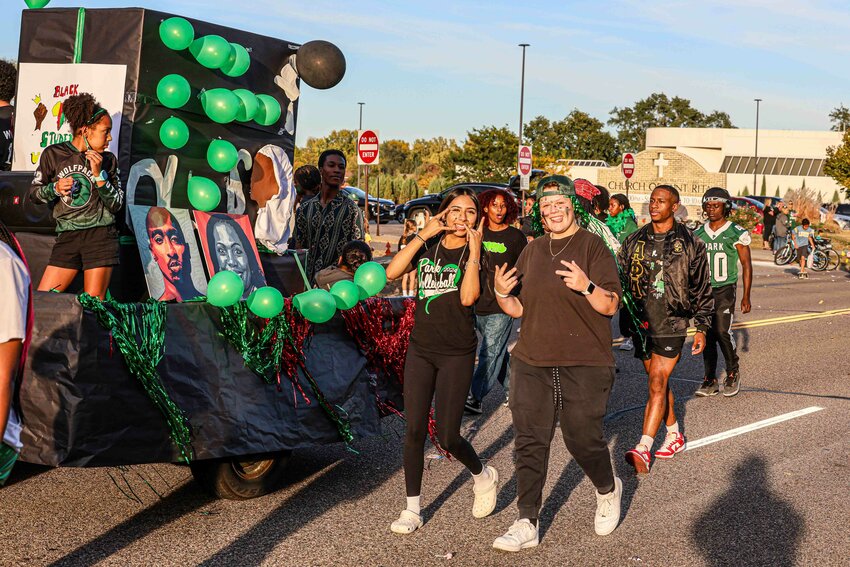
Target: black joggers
pixel 720 332
pixel 445 379
pixel 578 395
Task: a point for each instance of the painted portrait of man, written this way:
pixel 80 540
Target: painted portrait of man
pixel 169 253
pixel 228 244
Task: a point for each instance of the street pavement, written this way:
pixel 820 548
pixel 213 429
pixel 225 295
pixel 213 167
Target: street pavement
pixel 777 495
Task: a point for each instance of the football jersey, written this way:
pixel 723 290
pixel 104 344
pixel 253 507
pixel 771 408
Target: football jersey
pixel 722 254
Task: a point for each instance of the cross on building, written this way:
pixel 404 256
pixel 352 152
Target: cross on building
pixel 660 163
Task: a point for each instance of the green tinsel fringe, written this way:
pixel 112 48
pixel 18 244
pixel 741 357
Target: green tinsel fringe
pixel 264 352
pixel 138 330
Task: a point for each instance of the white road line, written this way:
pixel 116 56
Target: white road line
pixel 752 427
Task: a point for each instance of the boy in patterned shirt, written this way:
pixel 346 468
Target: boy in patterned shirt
pixel 726 244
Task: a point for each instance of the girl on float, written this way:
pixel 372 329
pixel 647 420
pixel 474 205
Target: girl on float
pixel 446 254
pixel 78 179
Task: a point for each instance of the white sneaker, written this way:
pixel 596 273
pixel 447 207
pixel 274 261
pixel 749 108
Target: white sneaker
pixel 485 496
pixel 608 509
pixel 627 344
pixel 521 535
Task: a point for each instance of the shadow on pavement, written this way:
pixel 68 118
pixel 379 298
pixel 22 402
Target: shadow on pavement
pixel 185 500
pixel 749 523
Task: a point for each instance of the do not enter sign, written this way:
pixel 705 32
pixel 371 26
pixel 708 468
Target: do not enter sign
pixel 367 148
pixel 524 160
pixel 628 165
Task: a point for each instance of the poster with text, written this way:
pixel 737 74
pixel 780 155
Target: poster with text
pixel 42 91
pixel 228 244
pixel 170 255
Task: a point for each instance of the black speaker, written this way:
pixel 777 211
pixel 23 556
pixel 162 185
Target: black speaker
pixel 17 211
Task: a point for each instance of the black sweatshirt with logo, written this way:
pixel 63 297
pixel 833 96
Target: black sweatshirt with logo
pixel 88 206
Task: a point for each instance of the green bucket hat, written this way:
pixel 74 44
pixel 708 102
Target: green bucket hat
pixel 565 187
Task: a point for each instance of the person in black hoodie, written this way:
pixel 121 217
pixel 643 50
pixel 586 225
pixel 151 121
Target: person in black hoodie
pixel 8 80
pixel 79 181
pixel 668 276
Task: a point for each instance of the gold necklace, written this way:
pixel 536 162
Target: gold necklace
pixel 562 249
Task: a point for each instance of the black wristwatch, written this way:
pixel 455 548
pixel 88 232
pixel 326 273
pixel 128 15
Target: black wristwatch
pixel 590 287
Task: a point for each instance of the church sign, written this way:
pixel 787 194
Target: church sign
pixel 655 167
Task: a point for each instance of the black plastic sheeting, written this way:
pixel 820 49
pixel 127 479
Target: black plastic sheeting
pixel 81 406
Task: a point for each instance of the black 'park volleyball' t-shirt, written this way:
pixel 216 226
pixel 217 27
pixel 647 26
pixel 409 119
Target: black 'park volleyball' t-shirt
pixel 443 325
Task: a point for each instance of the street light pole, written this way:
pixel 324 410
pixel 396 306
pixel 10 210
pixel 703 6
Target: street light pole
pixel 521 102
pixel 522 90
pixel 755 167
pixel 355 145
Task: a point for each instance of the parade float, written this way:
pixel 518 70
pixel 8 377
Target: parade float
pixel 234 376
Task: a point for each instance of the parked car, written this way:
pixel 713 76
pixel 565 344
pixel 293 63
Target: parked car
pixel 387 206
pixel 748 202
pixel 536 174
pixel 429 204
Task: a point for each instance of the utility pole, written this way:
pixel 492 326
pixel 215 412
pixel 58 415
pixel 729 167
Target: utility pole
pixel 355 146
pixel 755 167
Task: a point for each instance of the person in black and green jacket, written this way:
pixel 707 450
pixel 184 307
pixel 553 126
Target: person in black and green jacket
pixel 78 179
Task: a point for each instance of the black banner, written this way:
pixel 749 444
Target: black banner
pixel 81 407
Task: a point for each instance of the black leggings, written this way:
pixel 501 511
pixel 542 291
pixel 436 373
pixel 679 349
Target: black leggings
pixel 720 333
pixel 446 379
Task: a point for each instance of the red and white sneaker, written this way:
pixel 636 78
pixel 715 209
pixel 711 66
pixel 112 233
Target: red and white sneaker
pixel 673 443
pixel 639 458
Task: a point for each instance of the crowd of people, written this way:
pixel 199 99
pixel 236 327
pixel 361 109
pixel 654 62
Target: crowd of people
pixel 564 268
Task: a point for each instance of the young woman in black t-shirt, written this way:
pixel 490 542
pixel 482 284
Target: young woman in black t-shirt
pixel 446 254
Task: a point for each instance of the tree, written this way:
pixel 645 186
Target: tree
pixel 777 192
pixel 344 140
pixel 763 192
pixel 837 164
pixel 745 192
pixel 489 154
pixel 395 157
pixel 836 198
pixel 840 118
pixel 657 110
pixel 577 136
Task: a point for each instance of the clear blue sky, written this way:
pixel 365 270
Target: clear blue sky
pixel 440 68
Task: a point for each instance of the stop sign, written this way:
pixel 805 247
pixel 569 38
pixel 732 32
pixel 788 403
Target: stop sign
pixel 628 165
pixel 367 148
pixel 524 160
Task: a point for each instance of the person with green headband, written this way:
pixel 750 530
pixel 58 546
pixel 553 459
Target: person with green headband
pixel 622 222
pixel 78 179
pixel 566 287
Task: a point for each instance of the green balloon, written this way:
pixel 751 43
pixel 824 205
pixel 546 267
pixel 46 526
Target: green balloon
pixel 173 91
pixel 34 4
pixel 176 33
pixel 221 105
pixel 204 194
pixel 248 105
pixel 316 305
pixel 173 133
pixel 269 110
pixel 346 294
pixel 237 62
pixel 225 289
pixel 372 277
pixel 266 302
pixel 211 51
pixel 222 156
pixel 363 293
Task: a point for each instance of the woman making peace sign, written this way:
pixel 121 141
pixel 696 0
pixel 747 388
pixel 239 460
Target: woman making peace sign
pixel 446 254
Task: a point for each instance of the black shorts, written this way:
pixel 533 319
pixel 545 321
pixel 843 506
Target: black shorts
pixel 803 251
pixel 668 347
pixel 86 249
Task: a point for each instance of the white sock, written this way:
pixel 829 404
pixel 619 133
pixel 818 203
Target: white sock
pixel 673 428
pixel 647 441
pixel 482 477
pixel 413 504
